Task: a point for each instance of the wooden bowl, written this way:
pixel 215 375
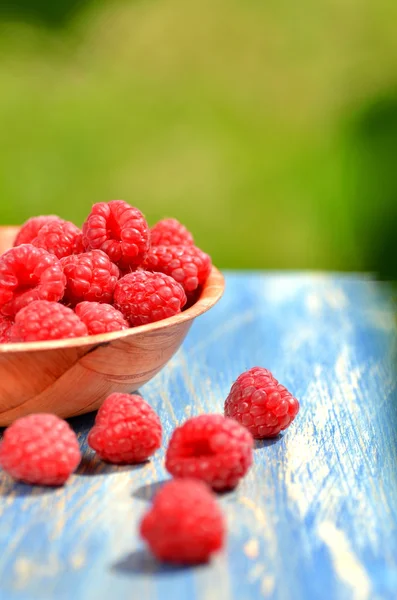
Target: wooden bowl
pixel 74 376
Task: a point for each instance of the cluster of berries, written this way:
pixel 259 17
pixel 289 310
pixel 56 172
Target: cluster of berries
pixel 62 282
pixel 206 454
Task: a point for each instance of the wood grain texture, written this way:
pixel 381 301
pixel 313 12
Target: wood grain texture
pixel 73 376
pixel 316 516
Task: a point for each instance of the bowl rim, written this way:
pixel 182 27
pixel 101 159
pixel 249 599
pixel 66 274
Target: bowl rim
pixel 210 295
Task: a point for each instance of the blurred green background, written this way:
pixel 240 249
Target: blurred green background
pixel 268 127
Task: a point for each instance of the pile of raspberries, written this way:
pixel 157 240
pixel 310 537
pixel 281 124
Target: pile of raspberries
pixel 208 453
pixel 59 281
pixel 62 282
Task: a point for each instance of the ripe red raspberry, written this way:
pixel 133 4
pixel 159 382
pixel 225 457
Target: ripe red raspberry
pixel 170 232
pixel 61 238
pixel 5 326
pixel 100 318
pixel 212 448
pixel 261 404
pixel 31 228
pixel 145 297
pixel 185 524
pixel 188 265
pixel 89 276
pixel 40 449
pixel 119 230
pixel 126 430
pixel 27 274
pixel 42 320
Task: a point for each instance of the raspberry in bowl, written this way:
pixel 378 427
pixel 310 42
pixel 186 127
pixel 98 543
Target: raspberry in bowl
pixel 74 375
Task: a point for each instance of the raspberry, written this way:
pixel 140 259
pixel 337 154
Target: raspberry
pixel 31 228
pixel 40 449
pixel 170 232
pixel 212 448
pixel 261 404
pixel 126 430
pixel 188 265
pixel 42 320
pixel 61 238
pixel 89 276
pixel 27 274
pixel 185 524
pixel 5 326
pixel 145 297
pixel 119 230
pixel 100 318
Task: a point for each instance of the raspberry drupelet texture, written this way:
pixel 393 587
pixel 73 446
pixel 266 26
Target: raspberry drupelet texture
pixel 170 232
pixel 58 237
pixel 212 448
pixel 261 404
pixel 188 265
pixel 119 230
pixel 100 318
pixel 89 276
pixel 5 326
pixel 145 297
pixel 42 320
pixel 127 430
pixel 40 449
pixel 28 273
pixel 29 230
pixel 185 524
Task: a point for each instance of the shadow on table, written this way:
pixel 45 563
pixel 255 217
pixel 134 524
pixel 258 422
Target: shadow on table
pixel 140 562
pixel 23 490
pixel 268 442
pixel 148 491
pixel 92 466
pixel 83 423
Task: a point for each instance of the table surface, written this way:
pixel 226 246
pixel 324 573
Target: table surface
pixel 315 517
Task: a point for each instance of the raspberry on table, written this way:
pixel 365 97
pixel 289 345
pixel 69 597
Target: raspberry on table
pixel 43 320
pixel 170 232
pixel 212 448
pixel 188 265
pixel 89 276
pixel 119 230
pixel 40 449
pixel 127 430
pixel 145 297
pixel 31 228
pixel 260 403
pixel 28 273
pixel 59 237
pixel 5 326
pixel 100 318
pixel 185 524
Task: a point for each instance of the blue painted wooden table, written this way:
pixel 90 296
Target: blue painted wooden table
pixel 316 516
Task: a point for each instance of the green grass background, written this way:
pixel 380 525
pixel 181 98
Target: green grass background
pixel 268 127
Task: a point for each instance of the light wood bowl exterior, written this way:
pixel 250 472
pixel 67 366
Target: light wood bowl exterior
pixel 72 377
